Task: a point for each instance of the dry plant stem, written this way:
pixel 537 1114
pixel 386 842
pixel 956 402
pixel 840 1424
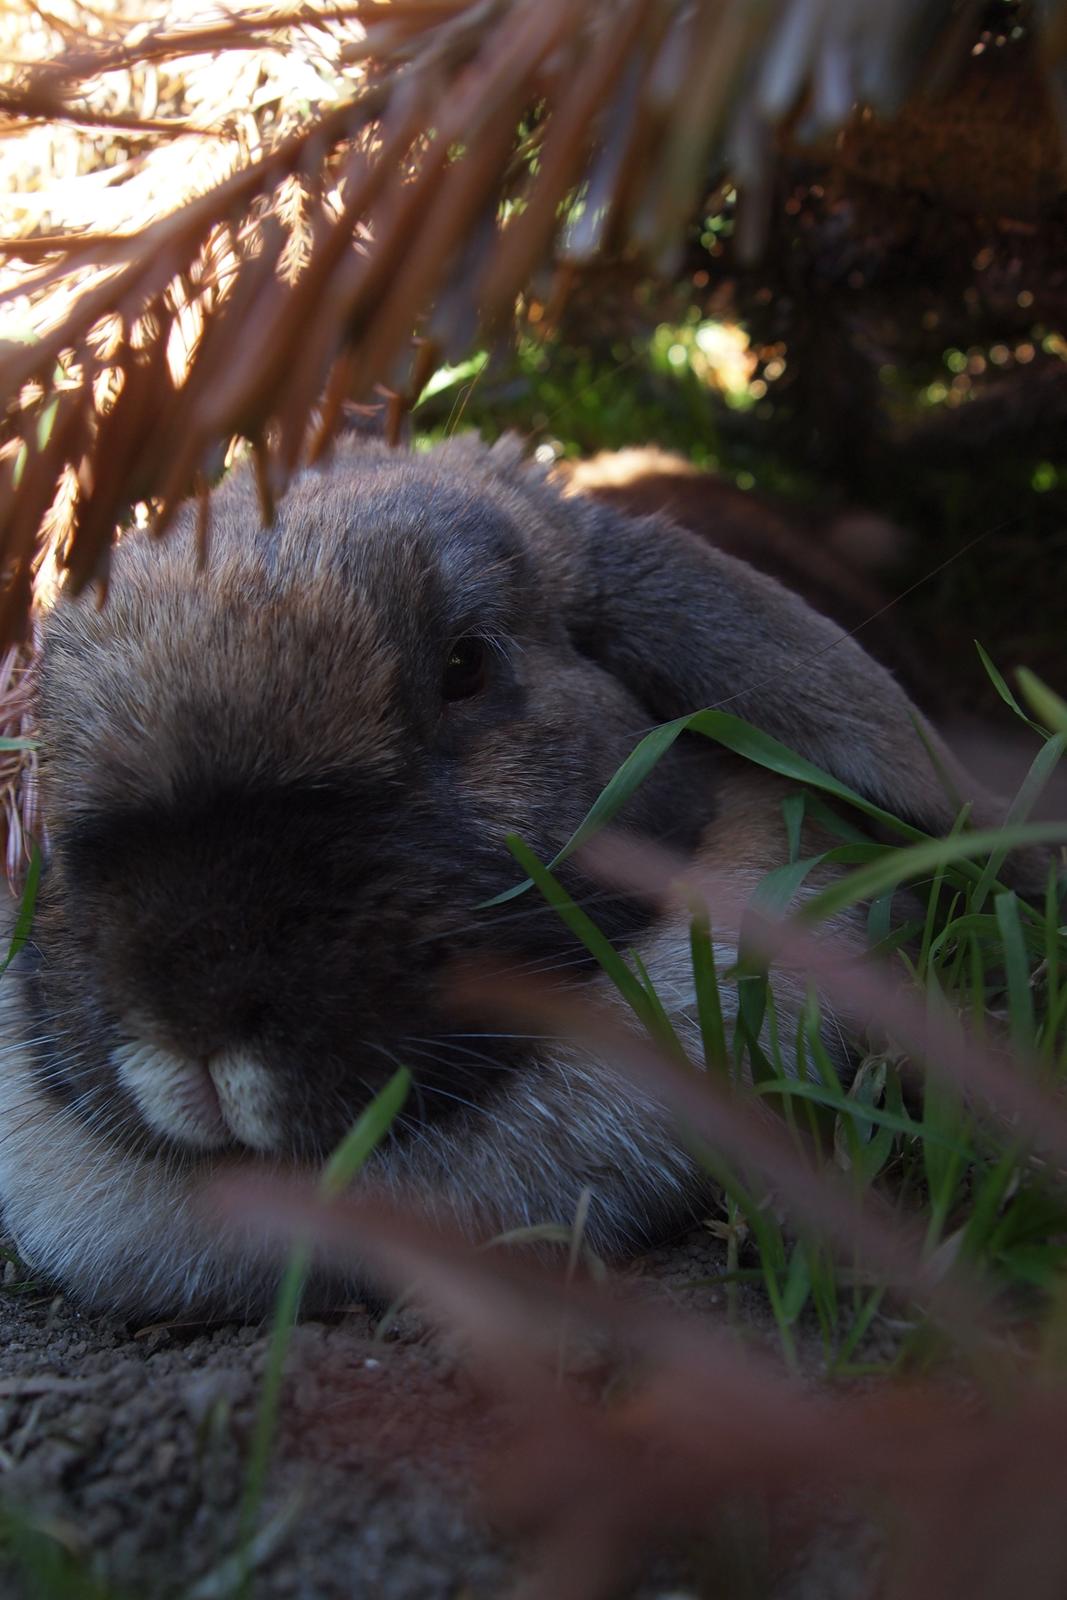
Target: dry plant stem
pixel 248 31
pixel 286 314
pixel 383 329
pixel 23 509
pixel 18 768
pixel 184 230
pixel 182 425
pixel 366 298
pixel 40 104
pixel 361 290
pixel 48 244
pixel 112 476
pixel 339 279
pixel 448 196
pixel 621 157
pixel 523 243
pixel 709 60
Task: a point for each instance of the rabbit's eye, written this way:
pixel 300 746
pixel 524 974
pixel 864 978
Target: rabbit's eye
pixel 465 669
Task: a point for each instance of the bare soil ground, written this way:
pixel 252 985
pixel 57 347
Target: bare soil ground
pixel 129 1444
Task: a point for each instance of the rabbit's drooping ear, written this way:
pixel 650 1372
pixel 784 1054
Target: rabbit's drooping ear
pixel 687 627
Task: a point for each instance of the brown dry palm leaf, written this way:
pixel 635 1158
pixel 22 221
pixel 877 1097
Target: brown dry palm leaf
pixel 445 151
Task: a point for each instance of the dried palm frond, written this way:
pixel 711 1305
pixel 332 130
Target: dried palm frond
pixel 18 763
pixel 298 190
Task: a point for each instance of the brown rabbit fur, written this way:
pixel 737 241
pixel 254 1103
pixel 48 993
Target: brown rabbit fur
pixel 277 794
pixel 838 562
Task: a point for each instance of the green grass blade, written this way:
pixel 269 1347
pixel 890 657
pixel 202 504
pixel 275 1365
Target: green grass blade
pixel 793 807
pixel 862 1321
pixel 1045 701
pixel 976 989
pixel 755 1012
pixel 1041 769
pixel 1055 958
pixel 734 734
pixel 933 901
pixel 662 1027
pixel 1000 684
pixel 933 755
pixel 286 1311
pixel 797 1284
pixel 368 1131
pixel 708 998
pixel 27 905
pixel 833 822
pixel 448 377
pixel 986 1202
pixel 585 929
pixel 1016 973
pixel 858 1114
pixel 52 1571
pixel 915 861
pixel 980 926
pixel 777 888
pixel 633 772
pixel 945 1147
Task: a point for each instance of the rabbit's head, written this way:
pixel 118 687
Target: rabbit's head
pixel 277 794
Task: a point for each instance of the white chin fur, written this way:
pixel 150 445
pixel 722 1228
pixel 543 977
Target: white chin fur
pixel 248 1098
pixel 175 1096
pixel 201 1104
pixel 117 1231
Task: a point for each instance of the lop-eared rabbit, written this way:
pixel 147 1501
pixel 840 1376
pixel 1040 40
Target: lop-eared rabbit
pixel 277 794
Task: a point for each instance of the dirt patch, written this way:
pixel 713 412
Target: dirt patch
pixel 129 1445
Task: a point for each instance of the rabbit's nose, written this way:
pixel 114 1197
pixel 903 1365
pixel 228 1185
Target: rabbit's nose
pixel 206 919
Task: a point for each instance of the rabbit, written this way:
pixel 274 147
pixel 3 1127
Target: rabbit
pixel 277 795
